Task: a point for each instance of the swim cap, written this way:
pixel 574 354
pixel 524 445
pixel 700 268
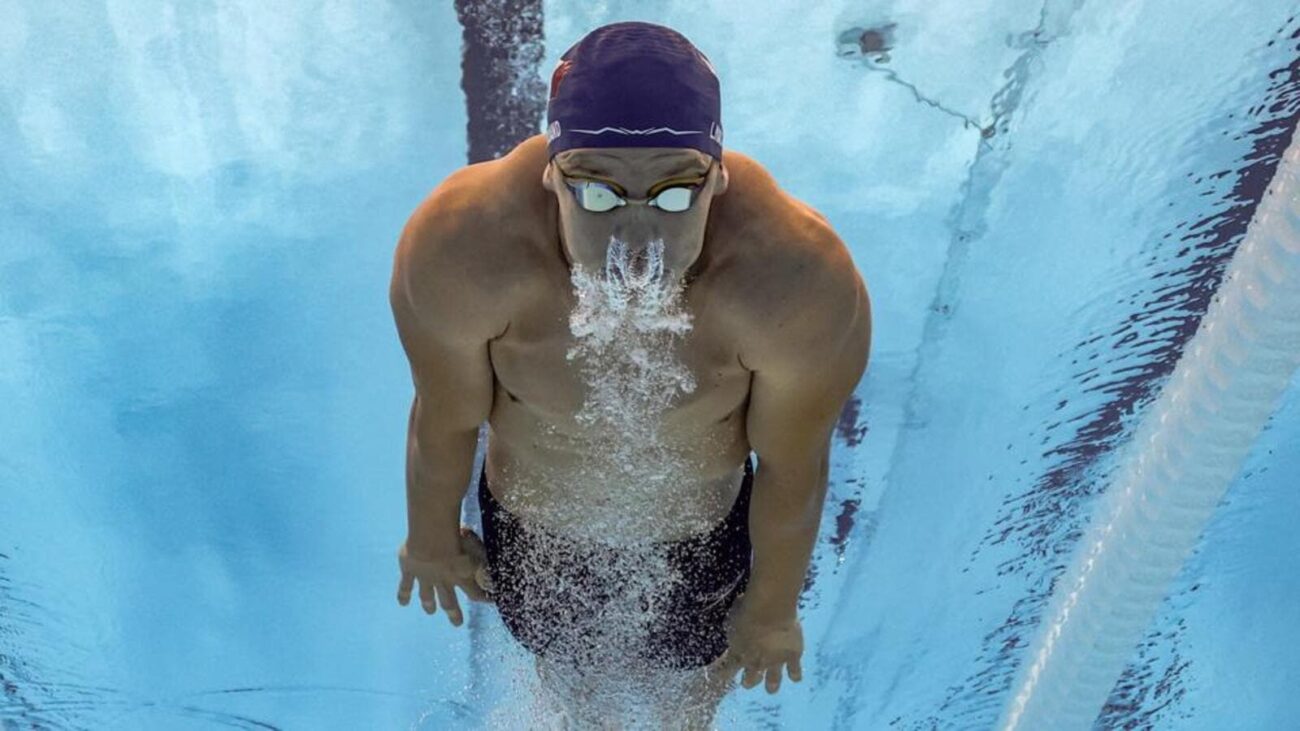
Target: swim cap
pixel 634 84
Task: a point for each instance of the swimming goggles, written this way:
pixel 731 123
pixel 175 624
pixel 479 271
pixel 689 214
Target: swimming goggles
pixel 673 196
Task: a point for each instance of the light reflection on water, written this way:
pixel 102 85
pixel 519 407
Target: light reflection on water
pixel 204 400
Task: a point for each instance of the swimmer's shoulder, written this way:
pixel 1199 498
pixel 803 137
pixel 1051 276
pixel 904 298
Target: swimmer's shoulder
pixel 478 200
pixel 512 213
pixel 781 253
pixel 453 246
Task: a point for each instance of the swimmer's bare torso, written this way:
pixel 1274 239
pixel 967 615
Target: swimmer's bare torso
pixel 760 246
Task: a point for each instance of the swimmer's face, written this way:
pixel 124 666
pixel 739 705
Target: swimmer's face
pixel 636 173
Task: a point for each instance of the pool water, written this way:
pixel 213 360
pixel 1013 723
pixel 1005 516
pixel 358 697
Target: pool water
pixel 205 402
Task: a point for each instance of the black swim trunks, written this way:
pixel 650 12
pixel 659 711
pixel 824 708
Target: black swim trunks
pixel 581 602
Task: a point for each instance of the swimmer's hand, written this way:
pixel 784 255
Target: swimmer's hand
pixel 441 574
pixel 761 645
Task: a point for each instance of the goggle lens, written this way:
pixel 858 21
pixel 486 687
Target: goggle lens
pixel 596 197
pixel 675 200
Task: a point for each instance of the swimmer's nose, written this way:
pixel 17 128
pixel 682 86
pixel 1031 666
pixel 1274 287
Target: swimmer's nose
pixel 637 230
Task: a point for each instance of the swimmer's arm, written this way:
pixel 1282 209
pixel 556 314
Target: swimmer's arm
pixel 813 357
pixel 444 328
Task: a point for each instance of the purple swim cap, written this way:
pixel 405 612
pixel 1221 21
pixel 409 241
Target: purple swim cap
pixel 634 84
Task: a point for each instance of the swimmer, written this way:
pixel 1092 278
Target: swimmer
pixel 634 312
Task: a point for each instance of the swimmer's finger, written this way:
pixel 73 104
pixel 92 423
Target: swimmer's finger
pixel 722 664
pixel 473 591
pixel 774 677
pixel 467 576
pixel 753 674
pixel 426 596
pixel 447 598
pixel 408 579
pixel 483 577
pixel 733 663
pixel 796 670
pixel 404 588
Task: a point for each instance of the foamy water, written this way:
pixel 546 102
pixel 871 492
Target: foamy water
pixel 628 319
pixel 628 485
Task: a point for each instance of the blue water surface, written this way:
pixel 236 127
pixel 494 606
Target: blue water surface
pixel 203 401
